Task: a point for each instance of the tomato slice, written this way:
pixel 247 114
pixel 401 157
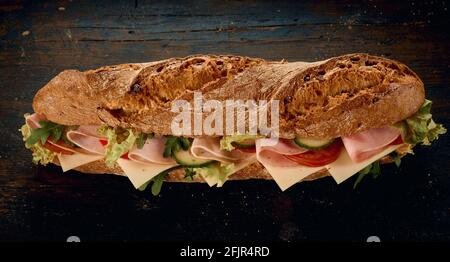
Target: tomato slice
pixel 57 149
pixel 125 156
pixel 103 142
pixel 397 141
pixel 316 158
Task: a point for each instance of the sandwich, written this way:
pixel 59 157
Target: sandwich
pixel 338 117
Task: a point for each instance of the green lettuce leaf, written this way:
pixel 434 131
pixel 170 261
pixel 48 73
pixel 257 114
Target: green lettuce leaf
pixel 226 141
pixel 120 141
pixel 219 172
pixel 173 144
pixel 157 181
pixel 372 169
pixel 41 155
pixel 142 138
pixel 420 128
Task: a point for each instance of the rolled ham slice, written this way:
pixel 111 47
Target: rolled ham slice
pixel 366 144
pixel 33 120
pixel 152 152
pixel 87 138
pixel 271 151
pixel 209 148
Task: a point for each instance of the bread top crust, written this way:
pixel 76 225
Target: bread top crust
pixel 331 98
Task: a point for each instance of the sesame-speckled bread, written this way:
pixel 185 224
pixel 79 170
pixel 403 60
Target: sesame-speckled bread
pixel 325 99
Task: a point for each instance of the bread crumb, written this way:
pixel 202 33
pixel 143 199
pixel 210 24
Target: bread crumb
pixel 25 33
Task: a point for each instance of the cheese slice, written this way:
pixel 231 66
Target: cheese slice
pixel 68 162
pixel 344 167
pixel 139 173
pixel 286 177
pixel 284 171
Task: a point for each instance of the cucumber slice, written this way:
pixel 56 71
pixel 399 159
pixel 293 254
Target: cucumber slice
pixel 185 158
pixel 245 144
pixel 313 144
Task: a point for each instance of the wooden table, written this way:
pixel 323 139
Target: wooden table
pixel 40 39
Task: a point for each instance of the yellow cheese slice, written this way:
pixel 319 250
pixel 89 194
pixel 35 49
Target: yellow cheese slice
pixel 68 162
pixel 286 177
pixel 139 173
pixel 344 167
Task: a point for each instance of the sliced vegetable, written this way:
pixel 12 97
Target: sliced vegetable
pixel 174 144
pixel 185 158
pixel 246 146
pixel 313 144
pixel 319 157
pixel 228 143
pixel 248 143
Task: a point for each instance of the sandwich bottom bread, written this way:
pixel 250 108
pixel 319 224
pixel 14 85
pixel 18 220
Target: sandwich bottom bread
pixel 338 117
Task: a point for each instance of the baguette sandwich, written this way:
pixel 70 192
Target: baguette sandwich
pixel 337 117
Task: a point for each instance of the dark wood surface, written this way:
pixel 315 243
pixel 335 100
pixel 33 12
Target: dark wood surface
pixel 41 203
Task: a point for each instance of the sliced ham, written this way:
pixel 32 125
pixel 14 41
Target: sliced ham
pixel 33 120
pixel 366 144
pixel 209 148
pixel 152 152
pixel 272 151
pixel 269 152
pixel 87 139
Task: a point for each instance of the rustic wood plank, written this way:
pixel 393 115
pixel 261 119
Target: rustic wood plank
pixel 39 203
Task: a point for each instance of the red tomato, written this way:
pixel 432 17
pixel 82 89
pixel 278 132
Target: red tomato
pixel 56 149
pixel 321 157
pixel 397 141
pixel 103 142
pixel 125 156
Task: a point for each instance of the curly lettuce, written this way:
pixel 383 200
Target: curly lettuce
pixel 120 141
pixel 226 141
pixel 217 172
pixel 417 129
pixel 41 155
pixel 420 128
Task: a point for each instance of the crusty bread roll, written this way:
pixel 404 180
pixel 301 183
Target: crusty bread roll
pixel 337 97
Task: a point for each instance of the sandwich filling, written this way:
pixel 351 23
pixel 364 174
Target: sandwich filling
pixel 148 158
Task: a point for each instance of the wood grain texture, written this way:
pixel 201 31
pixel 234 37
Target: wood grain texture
pixel 39 203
